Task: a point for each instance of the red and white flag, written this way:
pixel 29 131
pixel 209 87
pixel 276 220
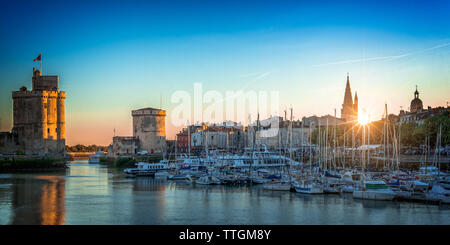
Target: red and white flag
pixel 38 58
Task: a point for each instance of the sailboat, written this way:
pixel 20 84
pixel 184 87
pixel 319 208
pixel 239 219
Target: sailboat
pixel 308 186
pixel 208 180
pixel 283 184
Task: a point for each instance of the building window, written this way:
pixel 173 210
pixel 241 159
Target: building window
pixel 48 130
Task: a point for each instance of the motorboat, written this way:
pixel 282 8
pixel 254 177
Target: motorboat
pixel 146 169
pixel 277 186
pixel 208 180
pixel 348 189
pixel 375 190
pixel 227 179
pixel 176 177
pixel 258 180
pixel 331 189
pixel 161 174
pixel 308 187
pixel 95 158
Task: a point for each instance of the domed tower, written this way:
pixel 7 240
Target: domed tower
pixel 416 103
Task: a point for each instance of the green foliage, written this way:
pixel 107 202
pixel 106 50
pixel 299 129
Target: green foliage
pixel 431 128
pixel 30 163
pixel 408 136
pixel 151 159
pixel 411 133
pixel 83 148
pixel 124 162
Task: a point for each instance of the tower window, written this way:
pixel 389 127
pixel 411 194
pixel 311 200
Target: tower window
pixel 48 130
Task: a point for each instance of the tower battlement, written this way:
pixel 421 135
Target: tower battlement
pixel 39 116
pixel 39 93
pixel 48 83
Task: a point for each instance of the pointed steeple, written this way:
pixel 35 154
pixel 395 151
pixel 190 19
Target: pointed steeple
pixel 347 107
pixel 348 101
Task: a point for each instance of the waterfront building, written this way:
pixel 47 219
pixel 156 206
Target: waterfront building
pixel 314 121
pixel 349 111
pixel 149 127
pixel 123 145
pixel 219 136
pixel 417 113
pixel 149 134
pixel 182 141
pixel 276 132
pixel 38 119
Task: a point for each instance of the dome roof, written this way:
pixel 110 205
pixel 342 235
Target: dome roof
pixel 416 103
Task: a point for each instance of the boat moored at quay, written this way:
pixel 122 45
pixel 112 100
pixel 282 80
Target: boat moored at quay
pixel 146 169
pixel 375 190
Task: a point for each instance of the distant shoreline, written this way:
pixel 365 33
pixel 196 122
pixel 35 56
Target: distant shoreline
pixel 32 164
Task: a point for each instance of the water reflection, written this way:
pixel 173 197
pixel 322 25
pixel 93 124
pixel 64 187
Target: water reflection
pixel 95 194
pixel 38 200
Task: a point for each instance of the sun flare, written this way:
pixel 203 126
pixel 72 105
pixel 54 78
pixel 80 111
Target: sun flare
pixel 363 118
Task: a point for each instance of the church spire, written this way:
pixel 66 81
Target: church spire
pixel 348 100
pixel 347 106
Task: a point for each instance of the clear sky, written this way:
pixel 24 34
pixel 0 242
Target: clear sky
pixel 115 56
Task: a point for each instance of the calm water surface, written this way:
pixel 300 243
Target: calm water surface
pixel 94 194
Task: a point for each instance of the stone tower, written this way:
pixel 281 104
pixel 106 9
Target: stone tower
pixel 149 127
pixel 39 116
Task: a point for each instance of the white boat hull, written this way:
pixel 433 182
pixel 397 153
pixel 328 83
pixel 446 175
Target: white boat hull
pixel 374 195
pixel 309 190
pixel 277 187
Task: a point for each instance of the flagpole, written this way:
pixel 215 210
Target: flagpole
pixel 40 63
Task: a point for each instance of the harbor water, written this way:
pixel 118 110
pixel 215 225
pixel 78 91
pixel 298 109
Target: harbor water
pixel 95 194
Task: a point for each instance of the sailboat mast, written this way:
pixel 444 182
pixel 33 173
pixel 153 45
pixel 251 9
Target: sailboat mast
pixel 384 134
pixel 320 150
pixel 310 149
pixel 342 156
pixel 353 144
pixel 399 143
pixel 189 141
pixel 290 138
pixel 439 150
pixel 334 150
pixel 326 146
pixel 368 143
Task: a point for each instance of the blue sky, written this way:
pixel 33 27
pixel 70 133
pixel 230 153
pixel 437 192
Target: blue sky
pixel 114 56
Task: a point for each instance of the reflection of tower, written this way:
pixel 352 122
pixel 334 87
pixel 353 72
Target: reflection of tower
pixel 39 201
pixel 153 211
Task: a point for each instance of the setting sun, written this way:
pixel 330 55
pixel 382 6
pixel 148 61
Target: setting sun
pixel 363 118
